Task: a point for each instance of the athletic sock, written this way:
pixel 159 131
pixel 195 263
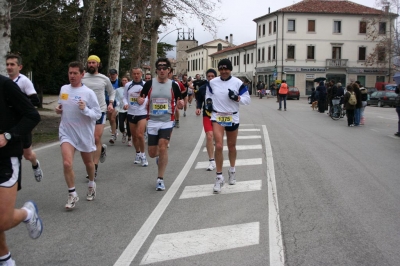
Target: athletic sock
pixel 28 215
pixel 91 184
pixel 35 166
pixel 160 178
pixel 219 174
pixel 72 191
pixel 211 160
pixel 5 258
pixel 232 169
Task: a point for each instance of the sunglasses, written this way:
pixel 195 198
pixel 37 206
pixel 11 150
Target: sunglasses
pixel 223 67
pixel 162 67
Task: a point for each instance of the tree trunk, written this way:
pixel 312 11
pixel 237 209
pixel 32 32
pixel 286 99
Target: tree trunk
pixel 115 34
pixel 85 27
pixel 156 6
pixel 5 33
pixel 137 44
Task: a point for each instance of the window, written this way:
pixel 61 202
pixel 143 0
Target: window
pixel 234 61
pixel 311 26
pixel 270 27
pixel 273 52
pixel 237 60
pixel 363 27
pixel 381 51
pixel 337 27
pixel 263 29
pixel 259 55
pixel 382 27
pixel 244 59
pixel 259 30
pixel 290 80
pixel 188 66
pixel 219 47
pixel 361 53
pixel 290 52
pixel 252 58
pixel 380 78
pixel 291 25
pixel 361 79
pixel 269 53
pixel 274 26
pixel 263 54
pixel 336 52
pixel 248 59
pixel 310 52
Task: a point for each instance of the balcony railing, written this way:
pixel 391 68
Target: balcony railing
pixel 336 62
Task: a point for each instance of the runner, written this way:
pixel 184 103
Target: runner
pixel 79 111
pixel 137 114
pixel 99 83
pixel 162 94
pixel 189 88
pixel 122 113
pixel 14 66
pixel 17 117
pixel 147 77
pixel 225 94
pixel 183 91
pixel 113 116
pixel 207 124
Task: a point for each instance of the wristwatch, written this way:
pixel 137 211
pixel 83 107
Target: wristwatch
pixel 7 136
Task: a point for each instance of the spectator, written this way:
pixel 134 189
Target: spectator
pixel 398 109
pixel 349 108
pixel 321 90
pixel 357 111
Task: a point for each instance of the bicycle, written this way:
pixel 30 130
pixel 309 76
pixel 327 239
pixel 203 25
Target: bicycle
pixel 337 111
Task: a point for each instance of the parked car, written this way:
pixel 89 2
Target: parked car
pixel 382 98
pixel 293 93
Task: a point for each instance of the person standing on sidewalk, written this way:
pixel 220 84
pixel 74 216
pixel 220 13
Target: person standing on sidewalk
pixel 137 114
pixel 79 111
pixel 207 124
pixel 163 96
pixel 398 109
pixel 18 117
pixel 283 91
pixel 99 83
pixel 14 66
pixel 223 97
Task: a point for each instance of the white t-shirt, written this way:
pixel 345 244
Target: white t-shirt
pixel 119 97
pixel 220 97
pixel 77 126
pixel 99 84
pixel 25 84
pixel 130 98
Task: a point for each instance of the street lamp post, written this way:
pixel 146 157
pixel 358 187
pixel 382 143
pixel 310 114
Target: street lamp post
pixel 167 34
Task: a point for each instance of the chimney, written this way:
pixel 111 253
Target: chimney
pixel 226 38
pixel 231 38
pixel 269 10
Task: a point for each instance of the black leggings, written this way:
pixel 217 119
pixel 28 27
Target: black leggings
pixel 122 119
pixel 350 117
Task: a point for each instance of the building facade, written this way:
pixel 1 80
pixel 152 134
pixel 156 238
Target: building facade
pixel 184 42
pixel 316 38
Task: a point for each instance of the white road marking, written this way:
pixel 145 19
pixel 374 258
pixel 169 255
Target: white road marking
pixel 206 190
pixel 247 137
pixel 239 162
pixel 196 242
pixel 134 246
pixel 276 249
pixel 242 147
pixel 248 129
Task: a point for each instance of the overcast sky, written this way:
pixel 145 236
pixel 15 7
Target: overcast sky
pixel 239 15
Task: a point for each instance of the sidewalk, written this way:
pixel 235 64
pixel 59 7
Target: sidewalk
pixel 49 103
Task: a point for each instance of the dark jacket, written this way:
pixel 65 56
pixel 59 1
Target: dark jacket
pixel 397 90
pixel 321 89
pixel 18 116
pixel 201 98
pixel 348 106
pixel 357 91
pixel 339 92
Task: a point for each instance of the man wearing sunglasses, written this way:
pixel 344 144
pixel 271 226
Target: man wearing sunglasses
pixel 163 96
pixel 224 95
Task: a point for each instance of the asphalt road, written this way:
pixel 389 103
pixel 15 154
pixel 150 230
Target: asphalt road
pixel 336 198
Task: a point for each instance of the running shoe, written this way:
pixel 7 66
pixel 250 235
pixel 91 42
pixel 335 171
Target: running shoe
pixel 177 124
pixel 34 225
pixel 38 172
pixel 9 262
pixel 91 194
pixel 124 137
pixel 112 139
pixel 144 161
pixel 103 153
pixel 71 201
pixel 211 166
pixel 160 185
pixel 397 134
pixel 130 143
pixel 137 159
pixel 232 179
pixel 219 183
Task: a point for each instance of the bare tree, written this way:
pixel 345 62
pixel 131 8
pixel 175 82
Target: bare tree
pixel 115 34
pixel 156 21
pixel 5 31
pixel 85 27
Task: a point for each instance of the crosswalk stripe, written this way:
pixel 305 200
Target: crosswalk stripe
pixel 247 137
pixel 207 190
pixel 239 162
pixel 248 129
pixel 242 147
pixel 196 242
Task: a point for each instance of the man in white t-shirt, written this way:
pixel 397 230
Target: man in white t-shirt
pixel 99 83
pixel 79 111
pixel 223 97
pixel 14 66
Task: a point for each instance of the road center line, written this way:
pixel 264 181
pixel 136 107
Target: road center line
pixel 134 246
pixel 276 250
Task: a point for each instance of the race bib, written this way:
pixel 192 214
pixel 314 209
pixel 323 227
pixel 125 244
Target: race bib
pixel 133 99
pixel 64 96
pixel 224 119
pixel 160 106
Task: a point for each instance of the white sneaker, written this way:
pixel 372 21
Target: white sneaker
pixel 160 185
pixel 9 262
pixel 137 159
pixel 38 172
pixel 130 143
pixel 34 225
pixel 71 201
pixel 124 137
pixel 144 161
pixel 211 166
pixel 219 183
pixel 91 194
pixel 232 179
pixel 113 139
pixel 103 153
